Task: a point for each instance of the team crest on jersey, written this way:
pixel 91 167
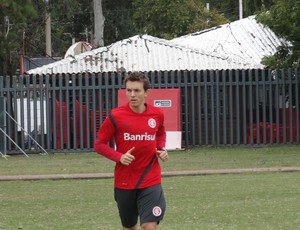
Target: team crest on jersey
pixel 156 211
pixel 151 123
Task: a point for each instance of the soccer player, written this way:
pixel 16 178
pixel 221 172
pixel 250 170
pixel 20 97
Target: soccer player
pixel 140 138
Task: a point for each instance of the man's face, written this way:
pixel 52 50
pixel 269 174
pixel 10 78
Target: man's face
pixel 135 94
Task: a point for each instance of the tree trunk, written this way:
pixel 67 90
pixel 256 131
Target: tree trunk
pixel 98 24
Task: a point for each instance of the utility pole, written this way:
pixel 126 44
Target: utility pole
pixel 48 31
pixel 207 20
pixel 98 24
pixel 241 8
pixel 207 6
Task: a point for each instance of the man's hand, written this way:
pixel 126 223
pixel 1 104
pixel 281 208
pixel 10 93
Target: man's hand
pixel 127 158
pixel 162 154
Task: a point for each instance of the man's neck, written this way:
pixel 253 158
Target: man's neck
pixel 139 109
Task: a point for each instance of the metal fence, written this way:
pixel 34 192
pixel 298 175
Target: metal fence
pixel 229 107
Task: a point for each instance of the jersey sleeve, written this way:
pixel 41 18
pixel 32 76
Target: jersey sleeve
pixel 104 135
pixel 161 135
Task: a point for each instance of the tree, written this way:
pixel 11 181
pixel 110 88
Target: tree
pixel 118 20
pixel 71 20
pixel 171 18
pixel 14 15
pixel 74 20
pixel 252 7
pixel 98 23
pixel 283 19
pixel 230 8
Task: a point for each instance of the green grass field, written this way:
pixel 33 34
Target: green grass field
pixel 231 201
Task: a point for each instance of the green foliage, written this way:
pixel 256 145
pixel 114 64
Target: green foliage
pixel 34 35
pixel 14 15
pixel 77 23
pixel 118 23
pixel 229 8
pixel 171 18
pixel 73 19
pixel 284 20
pixel 17 9
pixel 252 7
pixel 69 19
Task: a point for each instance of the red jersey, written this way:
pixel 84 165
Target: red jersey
pixel 144 131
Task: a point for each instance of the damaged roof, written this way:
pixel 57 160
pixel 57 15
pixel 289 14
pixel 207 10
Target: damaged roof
pixel 143 53
pixel 237 45
pixel 245 40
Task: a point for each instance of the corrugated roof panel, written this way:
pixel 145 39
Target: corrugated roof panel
pixel 237 45
pixel 245 40
pixel 142 53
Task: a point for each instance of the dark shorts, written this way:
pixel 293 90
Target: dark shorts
pixel 148 203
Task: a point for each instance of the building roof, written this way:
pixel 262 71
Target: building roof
pixel 245 40
pixel 142 53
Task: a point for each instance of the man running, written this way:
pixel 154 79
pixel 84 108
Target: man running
pixel 140 138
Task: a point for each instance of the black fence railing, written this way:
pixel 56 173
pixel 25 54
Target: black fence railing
pixel 229 107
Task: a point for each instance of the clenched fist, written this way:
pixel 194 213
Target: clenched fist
pixel 127 158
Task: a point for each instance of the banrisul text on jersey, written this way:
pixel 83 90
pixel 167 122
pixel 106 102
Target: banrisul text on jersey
pixel 138 137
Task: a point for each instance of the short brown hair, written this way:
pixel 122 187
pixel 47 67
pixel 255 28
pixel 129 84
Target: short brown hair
pixel 138 76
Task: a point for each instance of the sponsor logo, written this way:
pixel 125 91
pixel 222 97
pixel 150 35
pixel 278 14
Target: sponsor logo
pixel 151 123
pixel 139 137
pixel 162 103
pixel 156 211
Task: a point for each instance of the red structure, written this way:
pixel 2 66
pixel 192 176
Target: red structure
pixel 281 133
pixel 99 119
pixel 61 134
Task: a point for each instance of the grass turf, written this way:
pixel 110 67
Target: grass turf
pixel 240 201
pixel 191 159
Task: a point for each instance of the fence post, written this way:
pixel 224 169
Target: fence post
pixel 2 125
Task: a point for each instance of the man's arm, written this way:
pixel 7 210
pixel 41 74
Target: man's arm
pixel 104 135
pixel 161 138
